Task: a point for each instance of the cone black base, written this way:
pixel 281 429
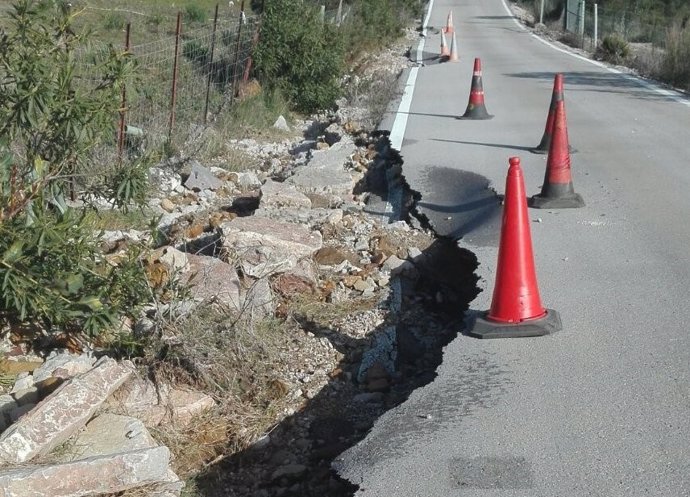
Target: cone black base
pixel 477 113
pixel 544 149
pixel 569 201
pixel 481 327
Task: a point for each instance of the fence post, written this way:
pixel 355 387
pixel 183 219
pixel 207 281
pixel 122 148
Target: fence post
pixel 541 13
pixel 238 45
pixel 173 96
pixel 123 107
pixel 339 15
pixel 581 27
pixel 596 27
pixel 210 64
pixel 255 42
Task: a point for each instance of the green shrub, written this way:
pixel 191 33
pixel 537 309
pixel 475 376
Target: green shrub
pixel 114 21
pixel 196 52
pixel 52 272
pixel 614 48
pixel 299 55
pixel 195 13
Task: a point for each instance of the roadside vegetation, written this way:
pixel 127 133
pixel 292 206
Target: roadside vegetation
pixel 651 36
pixel 58 288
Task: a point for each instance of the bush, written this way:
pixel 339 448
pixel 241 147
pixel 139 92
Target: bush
pixel 614 48
pixel 299 55
pixel 196 52
pixel 52 271
pixel 195 13
pixel 675 65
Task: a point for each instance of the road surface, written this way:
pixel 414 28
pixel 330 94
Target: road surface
pixel 601 408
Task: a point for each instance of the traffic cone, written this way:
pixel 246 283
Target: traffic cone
pixel 556 96
pixel 448 28
pixel 516 308
pixel 557 191
pixel 453 49
pixel 445 53
pixel 475 107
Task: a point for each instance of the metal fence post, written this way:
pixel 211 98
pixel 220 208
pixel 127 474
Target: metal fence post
pixel 210 64
pixel 541 13
pixel 581 15
pixel 596 27
pixel 173 96
pixel 123 106
pixel 238 46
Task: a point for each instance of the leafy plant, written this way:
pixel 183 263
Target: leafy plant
pixel 615 48
pixel 300 55
pixel 195 13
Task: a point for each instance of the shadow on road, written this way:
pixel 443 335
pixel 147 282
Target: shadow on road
pixel 600 82
pixel 492 145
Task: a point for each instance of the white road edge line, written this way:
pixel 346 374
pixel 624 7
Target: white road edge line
pixel 673 95
pixel 400 122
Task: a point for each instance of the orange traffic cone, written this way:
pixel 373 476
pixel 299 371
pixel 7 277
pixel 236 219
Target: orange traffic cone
pixel 556 96
pixel 453 50
pixel 445 53
pixel 557 191
pixel 475 107
pixel 516 308
pixel 448 28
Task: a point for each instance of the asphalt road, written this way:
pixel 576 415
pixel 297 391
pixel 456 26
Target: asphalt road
pixel 601 408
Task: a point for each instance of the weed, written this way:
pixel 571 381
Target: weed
pixel 614 48
pixel 195 13
pixel 675 65
pixel 114 21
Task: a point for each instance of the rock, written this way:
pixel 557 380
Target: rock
pixel 281 124
pixel 289 471
pixel 62 413
pixel 362 285
pixel 335 216
pixel 165 181
pixel 201 179
pixel 382 356
pixel 259 302
pixel 248 181
pixel 290 285
pixel 20 410
pixel 7 405
pixel 378 385
pixel 264 246
pixel 174 260
pixel 368 397
pixel 393 263
pixel 109 434
pixel 186 405
pixel 325 172
pixel 106 474
pixel 26 396
pixel 333 256
pixel 24 381
pixel 333 134
pixel 211 279
pixel 167 205
pixel 276 195
pixel 69 365
pixel 141 398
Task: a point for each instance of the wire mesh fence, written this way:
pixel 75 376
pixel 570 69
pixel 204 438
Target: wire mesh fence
pixel 182 80
pixel 592 23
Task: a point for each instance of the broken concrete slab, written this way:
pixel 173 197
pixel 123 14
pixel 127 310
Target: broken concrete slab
pixel 265 246
pixel 275 195
pixel 211 279
pixel 62 413
pixel 325 172
pixel 90 477
pixel 69 365
pixel 109 434
pixel 200 178
pixel 153 405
